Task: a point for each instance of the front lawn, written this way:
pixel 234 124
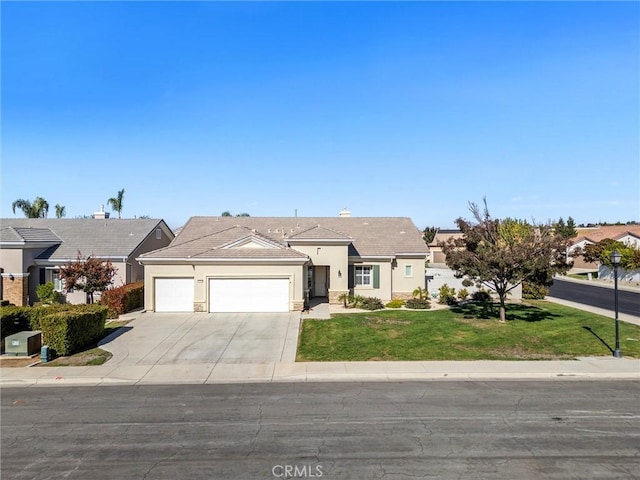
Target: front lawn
pixel 537 330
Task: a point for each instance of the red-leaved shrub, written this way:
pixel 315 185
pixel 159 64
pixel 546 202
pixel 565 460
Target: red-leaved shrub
pixel 123 299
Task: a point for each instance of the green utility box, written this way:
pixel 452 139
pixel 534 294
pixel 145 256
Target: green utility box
pixel 23 344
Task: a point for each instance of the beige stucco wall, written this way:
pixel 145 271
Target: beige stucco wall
pixel 11 260
pixel 384 292
pixel 403 286
pixel 333 256
pixel 202 274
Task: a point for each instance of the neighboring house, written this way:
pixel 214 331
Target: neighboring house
pixel 627 234
pixel 436 255
pixel 276 264
pixel 32 250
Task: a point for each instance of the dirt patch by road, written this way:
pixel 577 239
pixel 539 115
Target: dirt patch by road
pixel 11 361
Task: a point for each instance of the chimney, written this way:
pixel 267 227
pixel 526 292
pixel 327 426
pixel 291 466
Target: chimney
pixel 345 213
pixel 101 215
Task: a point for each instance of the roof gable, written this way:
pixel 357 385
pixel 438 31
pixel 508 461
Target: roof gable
pixel 319 233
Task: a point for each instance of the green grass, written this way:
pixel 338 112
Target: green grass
pixel 537 330
pixel 93 355
pixel 583 276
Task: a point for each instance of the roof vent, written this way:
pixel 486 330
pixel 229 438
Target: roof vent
pixel 344 213
pixel 101 215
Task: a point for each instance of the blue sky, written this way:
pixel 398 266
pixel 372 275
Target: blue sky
pixel 388 109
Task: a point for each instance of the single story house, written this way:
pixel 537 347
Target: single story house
pixel 32 250
pixel 277 264
pixel 627 234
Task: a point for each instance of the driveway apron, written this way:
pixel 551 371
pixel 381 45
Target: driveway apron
pixel 201 338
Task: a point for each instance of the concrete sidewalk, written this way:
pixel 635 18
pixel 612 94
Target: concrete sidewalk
pixel 123 369
pixel 588 368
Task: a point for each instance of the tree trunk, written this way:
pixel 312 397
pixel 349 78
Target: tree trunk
pixel 503 313
pixel 503 309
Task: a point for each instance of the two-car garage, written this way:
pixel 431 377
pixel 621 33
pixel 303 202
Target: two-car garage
pixel 248 295
pixel 225 295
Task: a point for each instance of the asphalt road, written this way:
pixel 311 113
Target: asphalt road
pixel 596 296
pixel 477 430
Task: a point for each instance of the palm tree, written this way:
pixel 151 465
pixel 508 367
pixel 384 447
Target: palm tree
pixel 116 203
pixel 38 209
pixel 420 293
pixel 60 211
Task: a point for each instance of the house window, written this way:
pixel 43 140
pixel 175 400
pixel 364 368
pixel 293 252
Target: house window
pixel 158 233
pixel 408 270
pixel 363 275
pixel 58 283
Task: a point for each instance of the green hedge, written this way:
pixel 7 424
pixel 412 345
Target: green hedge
pixel 533 291
pixel 13 320
pixel 123 299
pixel 66 332
pixel 37 313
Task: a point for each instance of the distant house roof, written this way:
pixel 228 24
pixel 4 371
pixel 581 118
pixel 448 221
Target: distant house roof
pixel 205 237
pixel 443 235
pixel 106 238
pixel 615 232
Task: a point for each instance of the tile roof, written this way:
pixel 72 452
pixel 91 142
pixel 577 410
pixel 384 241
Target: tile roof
pixel 597 234
pixel 28 235
pixel 102 238
pixel 319 233
pixel 204 237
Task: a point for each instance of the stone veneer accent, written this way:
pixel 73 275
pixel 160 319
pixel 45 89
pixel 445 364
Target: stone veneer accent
pixel 334 296
pixel 16 290
pixel 401 296
pixel 298 306
pixel 199 307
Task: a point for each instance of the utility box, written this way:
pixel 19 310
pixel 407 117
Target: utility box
pixel 23 344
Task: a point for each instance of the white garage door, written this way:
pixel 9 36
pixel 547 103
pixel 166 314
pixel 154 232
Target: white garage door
pixel 174 294
pixel 249 295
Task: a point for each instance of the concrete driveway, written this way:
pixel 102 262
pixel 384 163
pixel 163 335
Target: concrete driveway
pixel 205 338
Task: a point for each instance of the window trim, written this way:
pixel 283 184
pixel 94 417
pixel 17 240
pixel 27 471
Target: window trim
pixel 363 275
pixel 408 266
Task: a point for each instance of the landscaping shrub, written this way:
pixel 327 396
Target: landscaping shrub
pixel 463 294
pixel 447 295
pixel 371 303
pixel 67 332
pixel 47 293
pixel 398 303
pixel 123 299
pixel 534 291
pixel 417 303
pixel 13 320
pixel 481 296
pixel 36 314
pixel 4 303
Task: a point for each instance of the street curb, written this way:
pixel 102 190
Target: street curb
pixel 587 368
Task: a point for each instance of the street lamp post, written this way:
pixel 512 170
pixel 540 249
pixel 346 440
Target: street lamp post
pixel 615 258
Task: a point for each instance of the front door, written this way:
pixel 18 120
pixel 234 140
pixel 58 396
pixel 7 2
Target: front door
pixel 320 281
